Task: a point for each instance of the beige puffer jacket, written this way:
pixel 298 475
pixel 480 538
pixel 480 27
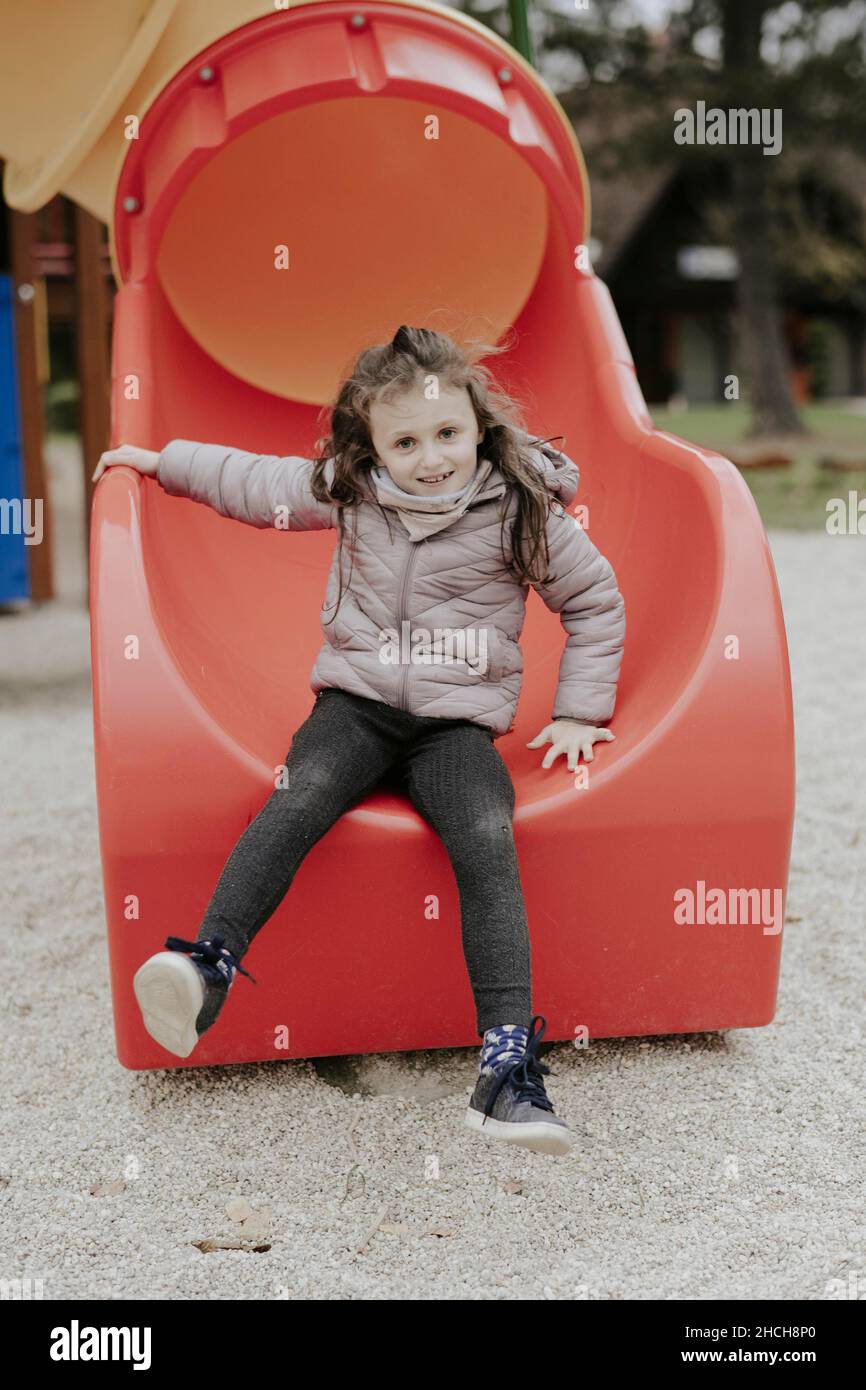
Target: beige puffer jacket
pixel 430 626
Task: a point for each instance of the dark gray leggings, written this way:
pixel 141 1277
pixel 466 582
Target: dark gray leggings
pixel 453 774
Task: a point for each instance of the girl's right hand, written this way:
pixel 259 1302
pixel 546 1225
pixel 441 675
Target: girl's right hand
pixel 145 460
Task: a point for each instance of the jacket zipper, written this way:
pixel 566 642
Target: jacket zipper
pixel 415 546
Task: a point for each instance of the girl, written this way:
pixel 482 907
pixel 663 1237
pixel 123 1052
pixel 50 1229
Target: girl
pixel 446 512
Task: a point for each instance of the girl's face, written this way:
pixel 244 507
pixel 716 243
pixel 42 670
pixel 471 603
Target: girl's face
pixel 427 446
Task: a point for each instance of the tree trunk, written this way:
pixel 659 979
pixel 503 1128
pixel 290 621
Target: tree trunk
pixel 760 340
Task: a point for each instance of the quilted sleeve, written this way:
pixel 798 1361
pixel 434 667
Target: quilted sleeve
pixel 259 489
pixel 586 596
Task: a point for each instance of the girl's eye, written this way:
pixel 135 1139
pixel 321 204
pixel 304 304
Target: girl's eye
pixel 447 429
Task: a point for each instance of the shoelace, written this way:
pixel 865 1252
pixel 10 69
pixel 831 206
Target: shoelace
pixel 212 952
pixel 524 1073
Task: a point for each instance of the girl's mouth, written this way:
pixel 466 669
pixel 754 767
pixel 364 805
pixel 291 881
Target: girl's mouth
pixel 436 478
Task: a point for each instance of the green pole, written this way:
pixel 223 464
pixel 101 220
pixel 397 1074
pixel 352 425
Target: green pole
pixel 520 29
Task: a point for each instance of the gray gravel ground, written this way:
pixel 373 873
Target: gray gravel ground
pixel 711 1166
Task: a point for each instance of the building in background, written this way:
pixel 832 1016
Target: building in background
pixel 659 242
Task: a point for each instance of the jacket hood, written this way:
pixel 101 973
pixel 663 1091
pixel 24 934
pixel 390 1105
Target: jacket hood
pixel 561 475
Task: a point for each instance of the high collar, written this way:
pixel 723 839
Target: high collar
pixel 424 516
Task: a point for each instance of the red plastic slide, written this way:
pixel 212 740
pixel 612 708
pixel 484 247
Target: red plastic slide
pixel 416 170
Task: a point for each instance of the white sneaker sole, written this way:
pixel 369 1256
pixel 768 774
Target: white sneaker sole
pixel 541 1138
pixel 170 994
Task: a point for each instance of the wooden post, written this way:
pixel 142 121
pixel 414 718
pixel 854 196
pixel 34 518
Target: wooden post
pixel 32 376
pixel 92 322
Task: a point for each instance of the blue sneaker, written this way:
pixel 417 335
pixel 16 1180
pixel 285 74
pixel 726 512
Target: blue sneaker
pixel 509 1102
pixel 180 995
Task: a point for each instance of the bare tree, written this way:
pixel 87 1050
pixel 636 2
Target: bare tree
pixel 807 61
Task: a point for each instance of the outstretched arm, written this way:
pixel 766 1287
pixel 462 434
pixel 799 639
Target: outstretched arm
pixel 259 489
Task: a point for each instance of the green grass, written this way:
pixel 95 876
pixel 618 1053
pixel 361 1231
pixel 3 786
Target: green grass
pixel 793 498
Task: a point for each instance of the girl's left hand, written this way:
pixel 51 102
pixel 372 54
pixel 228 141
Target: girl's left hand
pixel 569 737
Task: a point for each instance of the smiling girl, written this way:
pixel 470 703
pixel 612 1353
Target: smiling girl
pixel 446 512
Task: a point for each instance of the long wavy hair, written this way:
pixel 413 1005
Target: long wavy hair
pixel 384 371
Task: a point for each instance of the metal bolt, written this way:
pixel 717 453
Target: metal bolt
pixel 504 75
pixel 358 21
pixel 207 74
pixel 131 204
pixel 26 293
